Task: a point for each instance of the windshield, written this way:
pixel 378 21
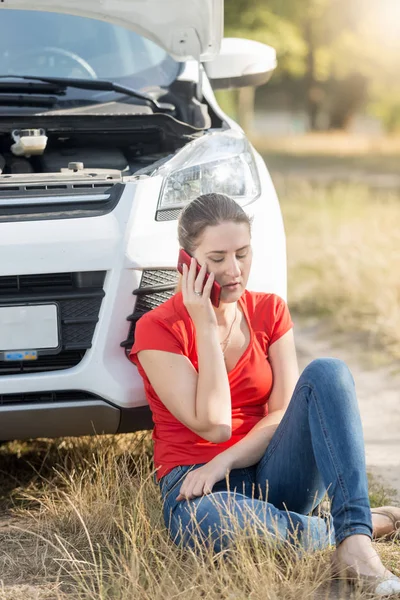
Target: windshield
pixel 58 45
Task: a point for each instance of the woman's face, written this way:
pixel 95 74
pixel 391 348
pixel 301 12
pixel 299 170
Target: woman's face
pixel 226 251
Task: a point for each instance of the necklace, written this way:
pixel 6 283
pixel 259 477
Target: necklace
pixel 225 343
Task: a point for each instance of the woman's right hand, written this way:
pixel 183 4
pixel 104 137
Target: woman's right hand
pixel 198 305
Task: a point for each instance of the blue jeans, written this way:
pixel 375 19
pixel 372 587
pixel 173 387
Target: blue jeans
pixel 318 447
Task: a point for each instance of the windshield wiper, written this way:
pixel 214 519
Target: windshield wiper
pixel 90 84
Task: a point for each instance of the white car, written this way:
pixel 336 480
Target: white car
pixel 108 127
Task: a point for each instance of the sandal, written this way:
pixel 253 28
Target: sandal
pixel 393 513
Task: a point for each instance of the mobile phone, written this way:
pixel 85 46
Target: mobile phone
pixel 185 258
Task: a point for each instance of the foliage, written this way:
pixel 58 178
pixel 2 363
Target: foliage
pixel 345 50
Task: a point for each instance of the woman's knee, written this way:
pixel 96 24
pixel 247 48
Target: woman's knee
pixel 329 371
pixel 204 522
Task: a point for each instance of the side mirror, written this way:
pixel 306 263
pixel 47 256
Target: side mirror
pixel 241 63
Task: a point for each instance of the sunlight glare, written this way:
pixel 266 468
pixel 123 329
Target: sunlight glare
pixel 386 20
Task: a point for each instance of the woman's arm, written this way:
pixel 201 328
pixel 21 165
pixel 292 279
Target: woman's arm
pixel 201 401
pixel 250 449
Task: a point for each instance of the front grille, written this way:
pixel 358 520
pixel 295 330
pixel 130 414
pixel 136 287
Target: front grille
pixel 156 286
pixel 50 281
pixel 17 283
pixel 38 202
pixel 78 296
pixel 69 396
pixel 49 189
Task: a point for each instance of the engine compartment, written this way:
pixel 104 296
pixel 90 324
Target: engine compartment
pixel 70 153
pixel 127 144
pixel 54 160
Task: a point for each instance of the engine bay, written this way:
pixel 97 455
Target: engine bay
pixel 74 158
pixel 122 144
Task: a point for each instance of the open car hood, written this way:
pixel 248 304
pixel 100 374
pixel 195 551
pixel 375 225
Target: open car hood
pixel 184 28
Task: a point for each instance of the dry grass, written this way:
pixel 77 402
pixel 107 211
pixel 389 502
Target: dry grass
pixel 328 143
pixel 90 527
pixel 343 258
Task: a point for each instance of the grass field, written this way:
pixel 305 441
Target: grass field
pixel 343 259
pixel 82 518
pixel 330 158
pixel 87 524
pixel 343 241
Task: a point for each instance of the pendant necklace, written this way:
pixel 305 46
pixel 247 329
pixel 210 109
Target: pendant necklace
pixel 225 343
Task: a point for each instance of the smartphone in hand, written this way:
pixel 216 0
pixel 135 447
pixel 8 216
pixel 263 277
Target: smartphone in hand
pixel 185 258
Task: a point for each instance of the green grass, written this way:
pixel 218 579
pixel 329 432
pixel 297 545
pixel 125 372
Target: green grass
pixel 379 494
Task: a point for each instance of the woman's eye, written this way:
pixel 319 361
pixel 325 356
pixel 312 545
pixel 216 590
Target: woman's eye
pixel 220 260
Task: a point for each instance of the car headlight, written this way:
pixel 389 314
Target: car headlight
pixel 220 162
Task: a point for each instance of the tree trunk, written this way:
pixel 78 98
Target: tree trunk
pixel 313 92
pixel 347 98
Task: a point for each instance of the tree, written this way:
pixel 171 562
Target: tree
pixel 331 45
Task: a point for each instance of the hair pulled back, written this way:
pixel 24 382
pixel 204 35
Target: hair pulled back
pixel 206 211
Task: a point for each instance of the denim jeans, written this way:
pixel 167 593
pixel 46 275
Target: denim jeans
pixel 318 447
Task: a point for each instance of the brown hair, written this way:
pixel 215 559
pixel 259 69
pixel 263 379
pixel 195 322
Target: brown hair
pixel 206 211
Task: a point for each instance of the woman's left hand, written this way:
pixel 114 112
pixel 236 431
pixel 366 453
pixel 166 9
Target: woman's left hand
pixel 202 480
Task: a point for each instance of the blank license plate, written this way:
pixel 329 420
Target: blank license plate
pixel 28 327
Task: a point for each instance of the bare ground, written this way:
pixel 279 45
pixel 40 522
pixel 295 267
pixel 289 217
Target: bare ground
pixel 378 390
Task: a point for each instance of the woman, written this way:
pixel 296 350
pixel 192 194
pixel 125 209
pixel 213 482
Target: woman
pixel 237 432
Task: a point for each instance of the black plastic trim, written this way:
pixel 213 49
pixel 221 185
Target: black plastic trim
pixel 150 296
pixel 167 130
pixel 144 291
pixel 66 359
pixel 51 396
pixel 168 215
pixel 78 296
pixel 52 282
pixel 45 297
pixel 135 419
pixel 67 413
pixel 73 417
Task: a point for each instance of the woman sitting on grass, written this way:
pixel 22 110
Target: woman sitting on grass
pixel 238 434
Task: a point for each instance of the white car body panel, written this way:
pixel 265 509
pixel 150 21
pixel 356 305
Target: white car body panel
pixel 189 29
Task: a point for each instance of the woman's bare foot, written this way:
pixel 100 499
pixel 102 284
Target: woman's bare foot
pixel 357 553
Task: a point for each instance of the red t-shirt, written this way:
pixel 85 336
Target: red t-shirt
pixel 169 327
